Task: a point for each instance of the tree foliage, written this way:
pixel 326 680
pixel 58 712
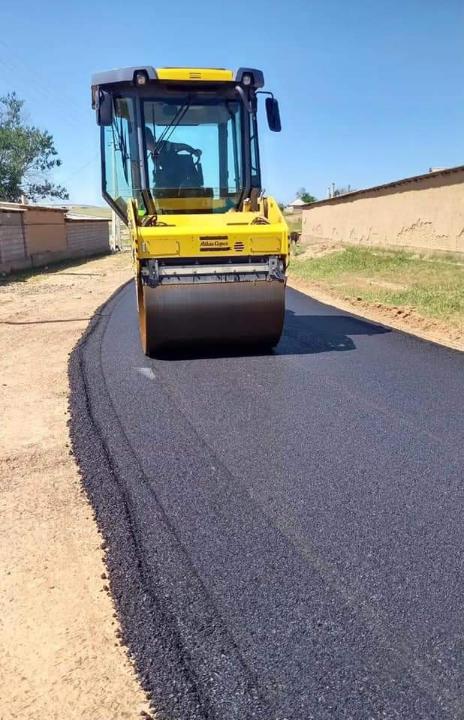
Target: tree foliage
pixel 27 155
pixel 306 196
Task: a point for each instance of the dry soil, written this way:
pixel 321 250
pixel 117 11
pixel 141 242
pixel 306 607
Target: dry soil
pixel 59 651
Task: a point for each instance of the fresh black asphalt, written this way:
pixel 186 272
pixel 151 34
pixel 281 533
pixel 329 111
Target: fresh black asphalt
pixel 284 532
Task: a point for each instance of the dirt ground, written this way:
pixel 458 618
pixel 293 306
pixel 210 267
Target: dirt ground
pixel 59 652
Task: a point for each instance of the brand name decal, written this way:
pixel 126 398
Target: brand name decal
pixel 214 243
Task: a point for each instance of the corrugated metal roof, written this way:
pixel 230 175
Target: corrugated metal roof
pixel 22 207
pixel 70 215
pixel 10 208
pixel 78 216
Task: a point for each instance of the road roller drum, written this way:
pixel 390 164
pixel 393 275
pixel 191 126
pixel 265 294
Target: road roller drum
pixel 227 313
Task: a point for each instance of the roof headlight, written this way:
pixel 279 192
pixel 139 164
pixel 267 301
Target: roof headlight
pixel 141 78
pixel 247 79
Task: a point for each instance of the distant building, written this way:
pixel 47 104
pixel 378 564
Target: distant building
pixel 296 206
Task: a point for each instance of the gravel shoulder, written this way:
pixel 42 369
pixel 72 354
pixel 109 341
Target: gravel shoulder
pixel 60 655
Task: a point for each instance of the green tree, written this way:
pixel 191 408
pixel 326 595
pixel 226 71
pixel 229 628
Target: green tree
pixel 306 196
pixel 27 155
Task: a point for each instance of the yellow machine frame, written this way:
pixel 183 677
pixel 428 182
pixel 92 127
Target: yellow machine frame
pixel 192 241
pixel 192 236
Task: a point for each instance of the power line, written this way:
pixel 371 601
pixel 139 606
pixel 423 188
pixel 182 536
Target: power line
pixel 81 168
pixel 40 88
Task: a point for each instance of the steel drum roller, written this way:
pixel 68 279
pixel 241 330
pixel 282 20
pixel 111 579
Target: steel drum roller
pixel 243 313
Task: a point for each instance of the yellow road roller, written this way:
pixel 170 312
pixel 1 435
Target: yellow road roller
pixel 181 168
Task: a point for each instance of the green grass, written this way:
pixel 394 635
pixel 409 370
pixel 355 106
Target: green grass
pixel 296 249
pixel 434 286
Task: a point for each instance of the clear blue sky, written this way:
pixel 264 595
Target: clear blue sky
pixel 370 90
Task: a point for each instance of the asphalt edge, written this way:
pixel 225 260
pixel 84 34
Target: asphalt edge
pixel 178 686
pixel 165 682
pixel 325 298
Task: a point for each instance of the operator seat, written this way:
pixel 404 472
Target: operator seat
pixel 172 168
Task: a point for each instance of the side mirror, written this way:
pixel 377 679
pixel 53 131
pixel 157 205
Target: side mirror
pixel 273 114
pixel 104 108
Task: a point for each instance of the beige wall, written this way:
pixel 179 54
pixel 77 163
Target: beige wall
pixel 31 237
pixel 45 230
pixel 425 214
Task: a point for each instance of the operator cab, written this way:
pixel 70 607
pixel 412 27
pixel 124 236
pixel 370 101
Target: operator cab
pixel 180 141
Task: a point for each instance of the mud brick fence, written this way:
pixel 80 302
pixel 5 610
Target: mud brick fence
pixel 423 213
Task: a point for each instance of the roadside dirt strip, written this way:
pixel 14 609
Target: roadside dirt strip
pixel 60 652
pixel 407 321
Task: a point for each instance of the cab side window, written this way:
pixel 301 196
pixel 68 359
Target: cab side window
pixel 121 180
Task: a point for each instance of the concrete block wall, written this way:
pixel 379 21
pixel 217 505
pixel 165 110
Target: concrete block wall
pixel 88 236
pixel 13 250
pixel 32 236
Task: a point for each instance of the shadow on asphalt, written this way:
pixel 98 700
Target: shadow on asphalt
pixel 302 335
pixel 323 333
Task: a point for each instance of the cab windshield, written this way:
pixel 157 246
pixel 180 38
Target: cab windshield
pixel 193 153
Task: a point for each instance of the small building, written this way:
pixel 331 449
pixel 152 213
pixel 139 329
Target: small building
pixel 296 206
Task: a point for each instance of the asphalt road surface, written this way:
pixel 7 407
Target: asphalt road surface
pixel 284 532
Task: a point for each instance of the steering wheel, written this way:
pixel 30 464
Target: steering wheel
pixel 191 150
